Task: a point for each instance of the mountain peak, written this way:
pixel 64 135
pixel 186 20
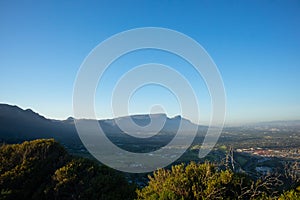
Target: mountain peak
pixel 15 111
pixel 70 119
pixel 177 117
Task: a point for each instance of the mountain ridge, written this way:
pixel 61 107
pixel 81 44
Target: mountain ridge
pixel 17 125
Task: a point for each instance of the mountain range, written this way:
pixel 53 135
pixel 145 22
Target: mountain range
pixel 17 125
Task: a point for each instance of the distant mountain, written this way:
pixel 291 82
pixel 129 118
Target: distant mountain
pixel 292 125
pixel 17 125
pixel 280 123
pixel 149 123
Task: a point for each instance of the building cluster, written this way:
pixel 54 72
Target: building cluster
pixel 265 152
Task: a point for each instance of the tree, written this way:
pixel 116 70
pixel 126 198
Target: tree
pixel 85 179
pixel 290 195
pixel 42 169
pixel 26 167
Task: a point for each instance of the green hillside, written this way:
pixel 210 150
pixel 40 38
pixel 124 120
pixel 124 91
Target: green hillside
pixel 42 169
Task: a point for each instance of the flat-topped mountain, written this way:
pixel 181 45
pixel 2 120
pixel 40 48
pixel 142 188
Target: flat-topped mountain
pixel 149 123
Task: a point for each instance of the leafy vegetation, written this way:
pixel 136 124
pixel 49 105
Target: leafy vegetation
pixel 85 179
pixel 207 181
pixel 42 169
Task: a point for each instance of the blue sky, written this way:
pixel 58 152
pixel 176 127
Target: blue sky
pixel 255 44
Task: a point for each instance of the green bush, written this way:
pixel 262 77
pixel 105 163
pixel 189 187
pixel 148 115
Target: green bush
pixel 42 169
pixel 203 181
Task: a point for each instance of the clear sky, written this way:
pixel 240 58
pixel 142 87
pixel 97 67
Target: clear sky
pixel 255 44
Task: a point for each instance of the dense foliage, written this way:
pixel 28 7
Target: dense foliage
pixel 42 169
pixel 207 181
